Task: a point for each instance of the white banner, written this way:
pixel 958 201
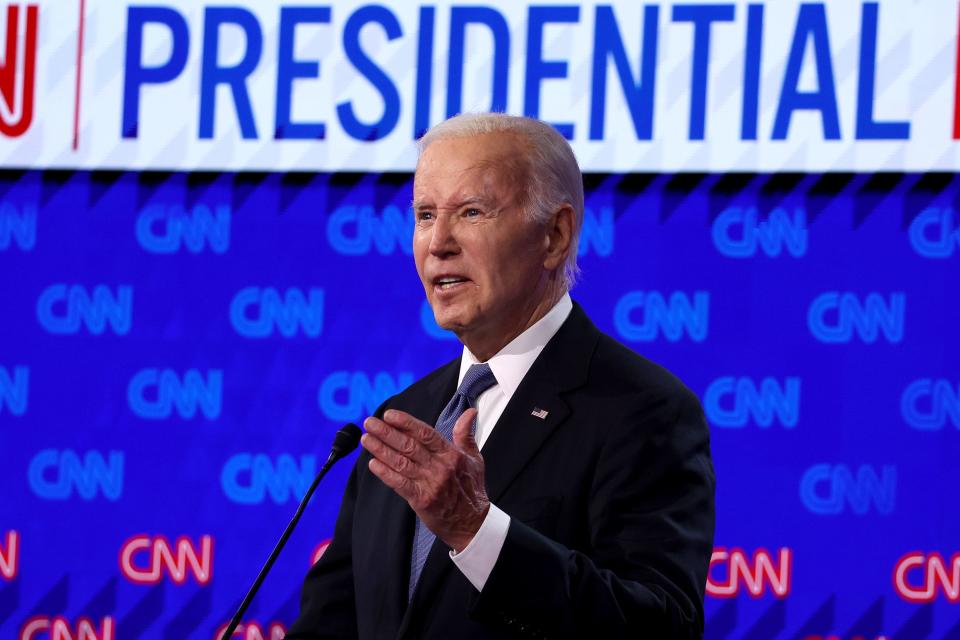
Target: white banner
pixel 781 85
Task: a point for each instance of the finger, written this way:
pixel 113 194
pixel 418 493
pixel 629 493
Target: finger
pixel 417 429
pixel 403 486
pixel 401 442
pixel 388 456
pixel 463 433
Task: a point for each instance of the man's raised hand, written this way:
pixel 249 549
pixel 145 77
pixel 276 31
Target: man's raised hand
pixel 443 482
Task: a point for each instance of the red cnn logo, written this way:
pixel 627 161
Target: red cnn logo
pixel 19 64
pixel 756 574
pixel 145 560
pixel 253 631
pixel 10 556
pixel 58 628
pixel 935 574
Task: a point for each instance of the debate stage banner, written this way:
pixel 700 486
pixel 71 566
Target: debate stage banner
pixel 205 242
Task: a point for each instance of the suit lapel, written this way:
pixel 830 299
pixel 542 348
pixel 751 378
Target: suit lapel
pixel 518 435
pixel 537 408
pixel 389 534
pixel 397 518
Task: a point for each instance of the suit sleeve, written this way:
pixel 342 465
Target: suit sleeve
pixel 327 607
pixel 651 522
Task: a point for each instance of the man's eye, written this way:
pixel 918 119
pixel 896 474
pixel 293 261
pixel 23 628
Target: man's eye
pixel 423 216
pixel 471 213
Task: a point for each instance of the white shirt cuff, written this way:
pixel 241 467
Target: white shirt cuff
pixel 477 559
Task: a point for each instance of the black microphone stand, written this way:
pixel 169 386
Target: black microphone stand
pixel 344 442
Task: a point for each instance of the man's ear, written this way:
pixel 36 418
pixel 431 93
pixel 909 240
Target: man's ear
pixel 559 237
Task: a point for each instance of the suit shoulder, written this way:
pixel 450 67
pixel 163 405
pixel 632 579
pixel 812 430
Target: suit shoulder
pixel 623 370
pixel 421 387
pixel 433 377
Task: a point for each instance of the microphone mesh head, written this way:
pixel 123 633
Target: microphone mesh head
pixel 347 439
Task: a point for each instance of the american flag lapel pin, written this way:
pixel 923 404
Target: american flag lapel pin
pixel 539 413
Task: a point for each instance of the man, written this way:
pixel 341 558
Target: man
pixel 590 512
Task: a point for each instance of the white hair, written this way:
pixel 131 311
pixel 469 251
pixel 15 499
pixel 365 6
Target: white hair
pixel 554 177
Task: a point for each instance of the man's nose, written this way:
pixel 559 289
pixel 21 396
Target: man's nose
pixel 443 240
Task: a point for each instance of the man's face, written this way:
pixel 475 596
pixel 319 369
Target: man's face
pixel 481 261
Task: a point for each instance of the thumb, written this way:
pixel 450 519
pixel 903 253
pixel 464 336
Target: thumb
pixel 463 432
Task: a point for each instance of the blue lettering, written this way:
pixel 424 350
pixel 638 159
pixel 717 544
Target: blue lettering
pixel 608 43
pixel 346 396
pixel 811 25
pixel 926 404
pixel 460 17
pixel 351 230
pixel 154 393
pixel 764 405
pixel 674 319
pixel 841 488
pixel 287 314
pixel 55 475
pixel 18 227
pixel 538 69
pixel 235 77
pixel 177 228
pixel 380 80
pixel 866 319
pixel 867 127
pixel 947 233
pixel 135 74
pixel 95 310
pixel 702 16
pixel 751 72
pixel 597 231
pixel 421 114
pixel 290 69
pixel 247 478
pixel 14 390
pixel 779 230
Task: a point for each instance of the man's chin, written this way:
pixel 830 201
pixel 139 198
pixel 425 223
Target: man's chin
pixel 449 318
pixel 449 322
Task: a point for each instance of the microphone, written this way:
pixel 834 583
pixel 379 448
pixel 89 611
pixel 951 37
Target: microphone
pixel 344 442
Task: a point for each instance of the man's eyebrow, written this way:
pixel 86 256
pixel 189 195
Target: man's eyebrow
pixel 472 200
pixel 428 204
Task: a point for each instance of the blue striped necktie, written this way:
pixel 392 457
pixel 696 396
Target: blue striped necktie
pixel 478 379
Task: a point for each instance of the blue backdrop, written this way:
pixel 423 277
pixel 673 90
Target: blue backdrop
pixel 178 349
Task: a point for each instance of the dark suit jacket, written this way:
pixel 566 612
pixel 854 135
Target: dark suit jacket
pixel 611 505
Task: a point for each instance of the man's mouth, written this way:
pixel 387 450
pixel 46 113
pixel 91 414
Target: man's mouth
pixel 445 283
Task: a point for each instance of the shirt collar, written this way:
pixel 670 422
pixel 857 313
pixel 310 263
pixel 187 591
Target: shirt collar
pixel 511 363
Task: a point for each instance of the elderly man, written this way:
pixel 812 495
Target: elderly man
pixel 589 512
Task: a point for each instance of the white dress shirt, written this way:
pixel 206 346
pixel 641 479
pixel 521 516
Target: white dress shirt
pixel 509 367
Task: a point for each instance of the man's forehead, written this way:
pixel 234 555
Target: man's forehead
pixel 462 181
pixel 461 192
pixel 475 166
